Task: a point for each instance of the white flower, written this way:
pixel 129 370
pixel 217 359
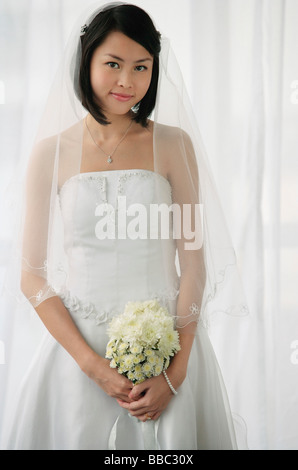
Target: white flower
pixel 142 340
pixel 148 352
pixel 157 369
pixel 152 360
pixel 147 369
pixel 136 348
pixel 113 364
pixel 128 360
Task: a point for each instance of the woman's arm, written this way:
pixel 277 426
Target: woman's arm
pixel 39 206
pixel 59 323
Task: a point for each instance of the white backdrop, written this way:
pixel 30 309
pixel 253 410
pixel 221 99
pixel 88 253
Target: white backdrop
pixel 239 59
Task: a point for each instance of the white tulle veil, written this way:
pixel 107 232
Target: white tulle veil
pixel 209 279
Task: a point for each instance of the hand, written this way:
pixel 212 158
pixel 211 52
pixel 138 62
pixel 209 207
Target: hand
pixel 149 398
pixel 114 384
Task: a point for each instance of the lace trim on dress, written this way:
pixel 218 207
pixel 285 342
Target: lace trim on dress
pixel 87 310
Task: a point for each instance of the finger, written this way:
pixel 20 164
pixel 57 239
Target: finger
pixel 139 406
pixel 127 387
pixel 156 415
pixel 123 403
pixel 135 397
pixel 126 405
pixel 124 400
pixel 138 391
pixel 141 412
pixel 142 418
pixel 124 382
pixel 149 416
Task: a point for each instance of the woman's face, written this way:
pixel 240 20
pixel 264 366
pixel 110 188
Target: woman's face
pixel 120 73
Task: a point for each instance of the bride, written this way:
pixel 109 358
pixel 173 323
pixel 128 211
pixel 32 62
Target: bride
pixel 98 142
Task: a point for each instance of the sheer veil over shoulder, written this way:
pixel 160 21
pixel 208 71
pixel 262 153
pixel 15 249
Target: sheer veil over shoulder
pixel 82 236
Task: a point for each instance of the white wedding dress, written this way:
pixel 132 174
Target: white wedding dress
pixel 58 406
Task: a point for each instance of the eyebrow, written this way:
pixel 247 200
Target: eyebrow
pixel 122 60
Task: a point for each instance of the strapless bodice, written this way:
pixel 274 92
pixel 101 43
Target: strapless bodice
pixel 115 247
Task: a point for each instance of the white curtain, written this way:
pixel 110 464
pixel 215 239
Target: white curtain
pixel 244 94
pixel 239 59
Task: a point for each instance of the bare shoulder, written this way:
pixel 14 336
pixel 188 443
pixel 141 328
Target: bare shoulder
pixel 67 145
pixel 170 133
pixel 70 136
pixel 175 148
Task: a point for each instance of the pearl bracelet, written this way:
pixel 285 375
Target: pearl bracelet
pixel 169 383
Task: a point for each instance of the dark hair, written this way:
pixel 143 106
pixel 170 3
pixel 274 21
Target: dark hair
pixel 137 25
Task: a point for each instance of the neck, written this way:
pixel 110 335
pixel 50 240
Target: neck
pixel 116 128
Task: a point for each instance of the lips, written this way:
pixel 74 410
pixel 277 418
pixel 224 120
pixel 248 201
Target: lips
pixel 121 96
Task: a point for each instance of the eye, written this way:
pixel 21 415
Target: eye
pixel 141 68
pixel 113 65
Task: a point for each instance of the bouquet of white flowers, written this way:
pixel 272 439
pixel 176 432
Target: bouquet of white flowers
pixel 142 340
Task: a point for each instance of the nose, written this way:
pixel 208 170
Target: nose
pixel 125 79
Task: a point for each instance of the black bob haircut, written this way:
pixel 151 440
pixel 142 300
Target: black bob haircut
pixel 138 26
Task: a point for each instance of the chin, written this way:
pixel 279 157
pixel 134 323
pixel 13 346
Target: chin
pixel 118 112
pixel 118 108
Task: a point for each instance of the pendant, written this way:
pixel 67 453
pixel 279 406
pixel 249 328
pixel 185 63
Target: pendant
pixel 109 160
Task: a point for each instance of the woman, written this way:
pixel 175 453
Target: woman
pixel 82 262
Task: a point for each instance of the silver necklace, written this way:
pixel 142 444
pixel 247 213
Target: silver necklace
pixel 109 155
